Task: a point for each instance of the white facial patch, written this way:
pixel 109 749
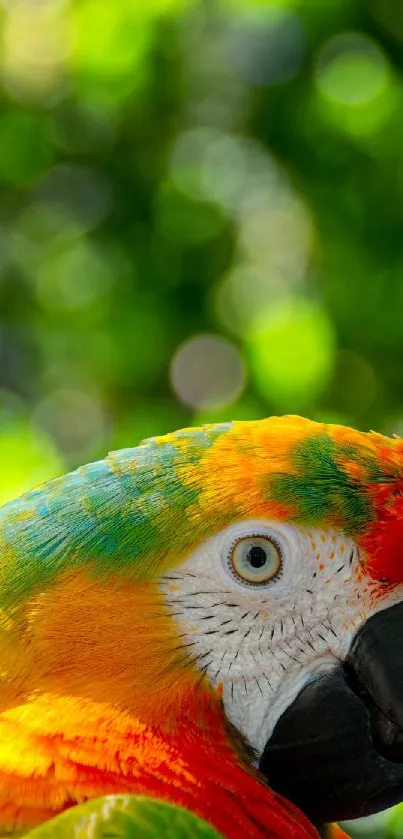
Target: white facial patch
pixel 263 641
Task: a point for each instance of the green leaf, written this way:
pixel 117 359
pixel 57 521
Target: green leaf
pixel 125 817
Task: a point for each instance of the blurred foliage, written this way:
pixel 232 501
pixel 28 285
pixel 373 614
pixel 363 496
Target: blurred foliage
pixel 200 218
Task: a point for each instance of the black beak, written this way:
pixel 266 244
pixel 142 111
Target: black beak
pixel 337 751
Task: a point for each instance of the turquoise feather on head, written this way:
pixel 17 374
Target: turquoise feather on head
pixel 142 508
pixel 107 514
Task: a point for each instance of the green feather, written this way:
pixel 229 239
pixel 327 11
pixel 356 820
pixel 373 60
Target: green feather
pixel 320 489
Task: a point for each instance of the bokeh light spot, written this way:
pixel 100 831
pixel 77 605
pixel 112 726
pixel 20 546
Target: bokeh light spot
pixel 266 46
pixel 36 50
pixel 79 191
pixel 352 69
pixel 105 39
pixel 276 234
pixel 111 46
pixel 244 179
pixel 40 230
pixel 207 371
pixel 188 159
pixel 75 420
pixel 291 349
pixel 74 278
pixel 248 289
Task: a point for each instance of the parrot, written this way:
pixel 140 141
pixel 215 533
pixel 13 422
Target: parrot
pixel 206 630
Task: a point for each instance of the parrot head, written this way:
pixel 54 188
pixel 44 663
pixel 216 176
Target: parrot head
pixel 259 564
pixel 294 606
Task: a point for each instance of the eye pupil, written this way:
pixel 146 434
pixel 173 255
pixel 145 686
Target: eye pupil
pixel 257 556
pixel 255 559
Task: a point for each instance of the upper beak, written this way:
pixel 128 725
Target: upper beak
pixel 337 751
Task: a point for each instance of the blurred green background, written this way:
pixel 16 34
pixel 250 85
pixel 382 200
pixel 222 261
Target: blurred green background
pixel 201 217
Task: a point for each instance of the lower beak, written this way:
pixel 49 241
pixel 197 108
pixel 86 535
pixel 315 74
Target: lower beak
pixel 337 751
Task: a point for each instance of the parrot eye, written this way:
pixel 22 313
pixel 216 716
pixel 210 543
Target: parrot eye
pixel 255 559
